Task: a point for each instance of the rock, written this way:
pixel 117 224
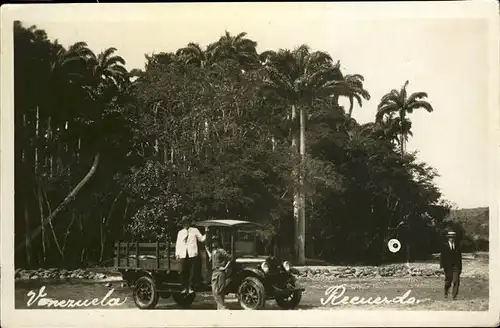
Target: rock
pixel 107 284
pixel 123 284
pixel 25 276
pixel 34 277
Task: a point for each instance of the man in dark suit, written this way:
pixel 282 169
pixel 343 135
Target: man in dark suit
pixel 451 262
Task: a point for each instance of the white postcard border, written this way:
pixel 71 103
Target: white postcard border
pixel 134 317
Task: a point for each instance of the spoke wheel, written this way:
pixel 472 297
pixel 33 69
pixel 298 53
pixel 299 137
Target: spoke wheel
pixel 289 301
pixel 251 294
pixel 145 294
pixel 184 300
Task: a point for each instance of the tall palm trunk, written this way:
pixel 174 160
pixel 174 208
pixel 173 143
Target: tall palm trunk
pixel 40 207
pixel 351 106
pixel 296 192
pixel 27 241
pixel 402 145
pixel 105 223
pixel 402 135
pixel 38 194
pixel 37 137
pixel 50 144
pixel 302 205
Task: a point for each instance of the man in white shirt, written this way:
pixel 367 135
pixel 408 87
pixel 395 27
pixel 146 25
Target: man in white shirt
pixel 186 249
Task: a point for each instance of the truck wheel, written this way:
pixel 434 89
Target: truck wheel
pixel 290 301
pixel 184 300
pixel 145 294
pixel 252 294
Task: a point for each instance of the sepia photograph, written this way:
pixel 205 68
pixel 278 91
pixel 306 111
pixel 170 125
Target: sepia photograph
pixel 160 159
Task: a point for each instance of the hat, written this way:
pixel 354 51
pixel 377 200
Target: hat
pixel 215 240
pixel 451 234
pixel 185 220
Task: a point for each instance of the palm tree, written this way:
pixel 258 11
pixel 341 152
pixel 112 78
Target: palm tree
pixel 353 89
pixel 350 86
pixel 299 77
pixel 106 69
pixel 398 102
pixel 193 54
pixel 238 48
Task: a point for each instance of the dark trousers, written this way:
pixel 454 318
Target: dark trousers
pixel 188 267
pixel 451 277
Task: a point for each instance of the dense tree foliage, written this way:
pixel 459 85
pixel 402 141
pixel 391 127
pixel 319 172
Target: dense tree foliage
pixel 219 132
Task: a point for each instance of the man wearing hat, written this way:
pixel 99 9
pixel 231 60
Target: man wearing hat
pixel 186 249
pixel 451 262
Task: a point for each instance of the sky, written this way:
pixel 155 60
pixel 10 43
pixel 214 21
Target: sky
pixel 447 57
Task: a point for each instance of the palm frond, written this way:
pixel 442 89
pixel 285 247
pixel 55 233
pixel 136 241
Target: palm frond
pixel 392 96
pixel 416 96
pixel 403 93
pixel 419 104
pixel 115 60
pixel 386 109
pixel 358 99
pixel 108 52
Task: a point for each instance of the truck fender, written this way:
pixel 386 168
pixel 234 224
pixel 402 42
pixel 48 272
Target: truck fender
pixel 131 276
pixel 253 272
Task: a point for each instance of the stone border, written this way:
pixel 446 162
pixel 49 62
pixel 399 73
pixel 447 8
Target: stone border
pixel 393 270
pixel 367 272
pixel 64 274
pixel 475 269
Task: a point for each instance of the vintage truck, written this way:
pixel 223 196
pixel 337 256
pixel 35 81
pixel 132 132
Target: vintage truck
pixel 153 271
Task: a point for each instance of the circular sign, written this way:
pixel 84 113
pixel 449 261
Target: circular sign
pixel 394 245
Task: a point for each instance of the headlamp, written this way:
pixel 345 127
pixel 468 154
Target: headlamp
pixel 265 267
pixel 286 265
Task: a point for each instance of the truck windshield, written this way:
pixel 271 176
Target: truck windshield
pixel 251 243
pixel 248 243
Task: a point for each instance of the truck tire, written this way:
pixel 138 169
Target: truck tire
pixel 292 300
pixel 145 294
pixel 252 294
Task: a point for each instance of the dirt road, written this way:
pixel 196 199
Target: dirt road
pixel 427 292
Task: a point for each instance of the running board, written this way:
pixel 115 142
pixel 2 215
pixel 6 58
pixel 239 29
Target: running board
pixel 279 291
pixel 177 288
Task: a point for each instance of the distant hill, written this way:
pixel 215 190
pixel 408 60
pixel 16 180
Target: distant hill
pixel 475 224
